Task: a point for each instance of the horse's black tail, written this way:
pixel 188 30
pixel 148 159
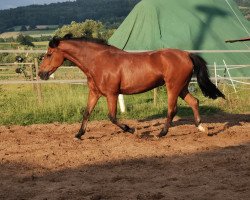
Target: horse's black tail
pixel 207 87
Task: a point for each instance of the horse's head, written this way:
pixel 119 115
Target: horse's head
pixel 52 60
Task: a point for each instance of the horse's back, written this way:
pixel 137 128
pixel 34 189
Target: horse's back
pixel 148 70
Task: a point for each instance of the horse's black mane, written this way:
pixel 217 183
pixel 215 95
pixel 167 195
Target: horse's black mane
pixel 56 40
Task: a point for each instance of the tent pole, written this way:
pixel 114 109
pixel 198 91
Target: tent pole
pixel 215 74
pixel 121 103
pixel 229 75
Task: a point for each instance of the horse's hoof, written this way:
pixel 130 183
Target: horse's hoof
pixel 128 129
pixel 78 136
pixel 162 134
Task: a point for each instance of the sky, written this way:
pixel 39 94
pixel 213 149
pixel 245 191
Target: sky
pixel 6 4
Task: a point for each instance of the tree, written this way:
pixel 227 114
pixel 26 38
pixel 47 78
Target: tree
pixel 23 28
pixel 32 27
pixel 25 40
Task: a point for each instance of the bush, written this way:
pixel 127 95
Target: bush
pixel 7 58
pixel 25 40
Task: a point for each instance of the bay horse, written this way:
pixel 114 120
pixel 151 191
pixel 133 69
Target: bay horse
pixel 111 71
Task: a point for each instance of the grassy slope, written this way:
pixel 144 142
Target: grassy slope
pixel 35 33
pixel 65 103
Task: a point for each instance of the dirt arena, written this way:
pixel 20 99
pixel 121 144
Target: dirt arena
pixel 44 162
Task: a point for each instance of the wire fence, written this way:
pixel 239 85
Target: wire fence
pixel 72 75
pixel 81 79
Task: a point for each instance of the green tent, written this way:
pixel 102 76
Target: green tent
pixel 187 25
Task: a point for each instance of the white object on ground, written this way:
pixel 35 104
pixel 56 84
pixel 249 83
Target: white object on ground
pixel 201 128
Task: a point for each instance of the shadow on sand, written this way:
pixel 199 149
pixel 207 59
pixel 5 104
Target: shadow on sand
pixel 221 173
pixel 186 116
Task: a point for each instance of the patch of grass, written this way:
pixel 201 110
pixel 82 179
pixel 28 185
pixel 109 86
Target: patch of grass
pixel 8 45
pixel 42 43
pixel 66 103
pixel 38 33
pixel 61 103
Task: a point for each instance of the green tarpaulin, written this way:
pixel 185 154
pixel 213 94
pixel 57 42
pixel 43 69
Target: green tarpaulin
pixel 187 25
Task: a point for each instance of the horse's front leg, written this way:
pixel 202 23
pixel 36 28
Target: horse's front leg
pixel 92 100
pixel 172 109
pixel 112 107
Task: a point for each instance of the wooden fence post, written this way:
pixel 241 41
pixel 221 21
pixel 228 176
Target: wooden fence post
pixel 38 85
pixel 32 76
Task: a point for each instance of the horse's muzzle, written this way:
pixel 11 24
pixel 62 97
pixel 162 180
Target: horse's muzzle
pixel 44 75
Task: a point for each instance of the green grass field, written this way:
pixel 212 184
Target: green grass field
pixel 13 45
pixel 43 43
pixel 66 103
pixel 8 45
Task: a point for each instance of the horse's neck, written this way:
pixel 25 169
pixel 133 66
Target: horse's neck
pixel 80 54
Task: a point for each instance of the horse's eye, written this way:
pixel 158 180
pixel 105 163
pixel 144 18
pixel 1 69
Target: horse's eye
pixel 49 55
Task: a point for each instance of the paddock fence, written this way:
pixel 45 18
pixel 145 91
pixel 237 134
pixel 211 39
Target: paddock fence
pixel 8 75
pixel 11 66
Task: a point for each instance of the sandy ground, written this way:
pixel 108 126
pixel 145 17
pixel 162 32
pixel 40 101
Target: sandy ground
pixel 44 162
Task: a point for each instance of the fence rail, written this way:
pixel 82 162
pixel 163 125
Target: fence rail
pixel 216 67
pixel 191 51
pixel 84 81
pixel 15 64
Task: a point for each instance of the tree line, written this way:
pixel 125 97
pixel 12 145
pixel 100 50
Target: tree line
pixel 88 29
pixel 110 11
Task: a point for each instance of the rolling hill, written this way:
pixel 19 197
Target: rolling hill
pixel 63 13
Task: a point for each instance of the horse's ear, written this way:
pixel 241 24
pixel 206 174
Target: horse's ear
pixel 54 42
pixel 68 36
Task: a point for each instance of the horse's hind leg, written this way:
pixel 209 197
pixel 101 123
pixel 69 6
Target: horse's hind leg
pixel 194 104
pixel 92 100
pixel 112 106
